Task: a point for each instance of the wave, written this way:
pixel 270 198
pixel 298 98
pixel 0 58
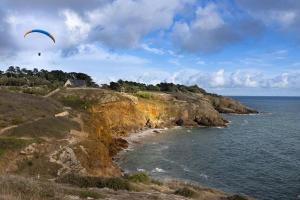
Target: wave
pixel 158 170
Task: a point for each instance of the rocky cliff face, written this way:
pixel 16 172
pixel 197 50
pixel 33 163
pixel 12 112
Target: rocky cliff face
pixel 112 115
pixel 87 133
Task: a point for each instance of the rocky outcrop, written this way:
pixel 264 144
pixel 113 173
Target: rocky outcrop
pixel 229 105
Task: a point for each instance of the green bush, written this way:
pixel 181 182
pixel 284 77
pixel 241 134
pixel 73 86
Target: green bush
pixel 186 192
pixel 77 102
pixel 140 177
pixel 144 95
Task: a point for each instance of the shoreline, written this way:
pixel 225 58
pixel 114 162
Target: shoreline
pixel 136 137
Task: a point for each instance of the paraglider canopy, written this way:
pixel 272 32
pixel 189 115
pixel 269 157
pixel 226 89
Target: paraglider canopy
pixel 42 32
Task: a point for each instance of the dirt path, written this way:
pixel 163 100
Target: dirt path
pixel 52 92
pixel 2 131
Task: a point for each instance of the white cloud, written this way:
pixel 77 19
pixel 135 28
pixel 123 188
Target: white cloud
pixel 208 18
pixel 124 22
pixel 77 28
pixel 152 50
pixel 218 78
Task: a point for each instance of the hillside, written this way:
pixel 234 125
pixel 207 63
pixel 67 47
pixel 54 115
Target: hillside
pixel 79 131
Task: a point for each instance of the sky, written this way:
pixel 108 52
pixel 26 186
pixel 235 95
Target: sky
pixel 230 47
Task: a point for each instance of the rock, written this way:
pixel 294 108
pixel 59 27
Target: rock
pixel 31 149
pixel 179 122
pixel 149 124
pixel 72 197
pixel 62 114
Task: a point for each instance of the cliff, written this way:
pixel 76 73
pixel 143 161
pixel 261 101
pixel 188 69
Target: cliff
pixel 110 115
pixel 79 131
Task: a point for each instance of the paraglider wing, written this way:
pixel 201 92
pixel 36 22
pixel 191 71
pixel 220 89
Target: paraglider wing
pixel 40 31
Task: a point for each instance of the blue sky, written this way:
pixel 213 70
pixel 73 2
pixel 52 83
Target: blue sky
pixel 232 47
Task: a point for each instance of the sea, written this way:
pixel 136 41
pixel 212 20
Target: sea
pixel 256 155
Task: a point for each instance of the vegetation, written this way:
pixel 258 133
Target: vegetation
pixel 18 108
pixel 186 192
pixel 77 102
pixel 46 127
pixel 133 87
pixel 11 143
pixel 99 182
pixel 15 76
pixel 140 177
pixel 144 95
pixel 21 188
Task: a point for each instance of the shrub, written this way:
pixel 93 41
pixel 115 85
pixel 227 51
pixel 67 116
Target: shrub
pixel 144 95
pixel 115 183
pixel 186 192
pixel 77 102
pixel 140 177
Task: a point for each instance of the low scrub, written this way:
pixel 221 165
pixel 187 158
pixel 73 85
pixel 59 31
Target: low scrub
pixel 144 95
pixel 140 177
pixel 186 192
pixel 99 182
pixel 77 102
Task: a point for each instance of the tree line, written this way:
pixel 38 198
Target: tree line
pixel 132 87
pixel 16 76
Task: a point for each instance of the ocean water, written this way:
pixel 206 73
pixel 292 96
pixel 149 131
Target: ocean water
pixel 257 155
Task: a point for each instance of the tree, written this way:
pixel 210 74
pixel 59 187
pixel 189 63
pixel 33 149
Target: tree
pixel 10 72
pixel 35 71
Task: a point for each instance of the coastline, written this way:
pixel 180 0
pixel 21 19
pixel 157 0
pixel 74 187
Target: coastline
pixel 136 138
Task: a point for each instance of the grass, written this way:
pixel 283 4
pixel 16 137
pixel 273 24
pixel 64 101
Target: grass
pixel 186 192
pixel 17 108
pixel 17 120
pixel 47 127
pixel 21 188
pixel 11 143
pixel 144 95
